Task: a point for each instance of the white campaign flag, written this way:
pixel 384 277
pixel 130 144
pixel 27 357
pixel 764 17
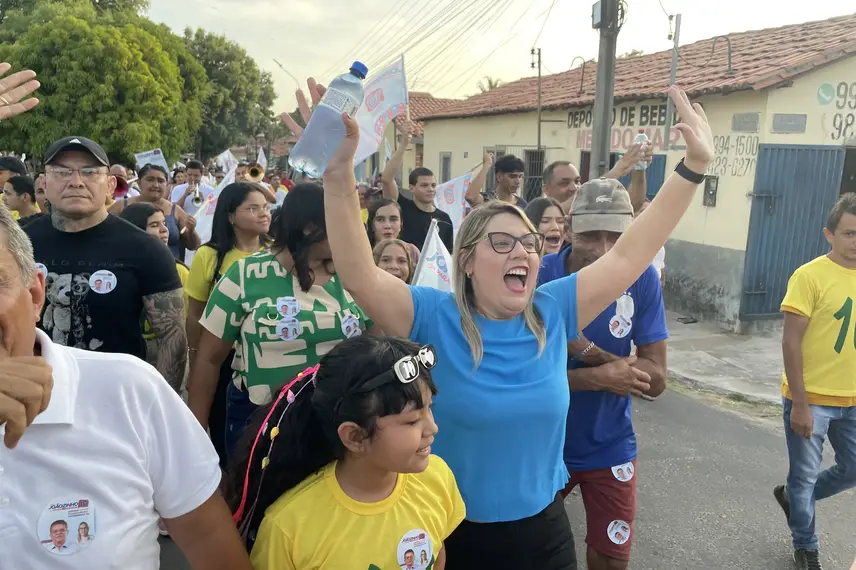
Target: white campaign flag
pixel 435 263
pixel 262 159
pixel 226 160
pixel 151 157
pixel 205 214
pixel 450 198
pixel 385 99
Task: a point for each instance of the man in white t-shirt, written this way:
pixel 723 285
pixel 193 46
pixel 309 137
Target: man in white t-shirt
pixel 183 193
pixel 98 447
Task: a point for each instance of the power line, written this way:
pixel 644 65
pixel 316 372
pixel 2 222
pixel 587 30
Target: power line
pixel 663 8
pixel 437 66
pixel 547 17
pixel 428 13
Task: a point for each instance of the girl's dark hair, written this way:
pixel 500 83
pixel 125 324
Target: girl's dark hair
pixel 308 439
pixel 536 208
pixel 373 207
pixel 149 167
pixel 139 214
pixel 300 225
pixel 222 232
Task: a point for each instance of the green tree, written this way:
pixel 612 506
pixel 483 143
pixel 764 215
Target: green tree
pixel 241 97
pixel 115 6
pixel 631 53
pixel 489 83
pixel 113 84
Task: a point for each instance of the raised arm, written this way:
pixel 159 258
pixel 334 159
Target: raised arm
pixel 605 280
pixel 387 179
pixel 479 179
pixel 384 298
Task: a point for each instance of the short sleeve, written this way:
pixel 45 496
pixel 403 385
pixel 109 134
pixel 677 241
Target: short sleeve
pixel 157 267
pixel 224 312
pixel 801 294
pixel 181 461
pixel 272 549
pixel 650 310
pixel 425 302
pixel 564 292
pixel 201 275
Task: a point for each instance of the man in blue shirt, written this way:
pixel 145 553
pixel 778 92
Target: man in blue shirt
pixel 603 374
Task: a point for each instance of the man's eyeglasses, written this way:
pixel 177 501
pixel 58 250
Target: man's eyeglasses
pixel 87 173
pixel 405 370
pixel 502 242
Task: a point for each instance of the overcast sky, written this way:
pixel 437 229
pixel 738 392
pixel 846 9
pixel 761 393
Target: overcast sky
pixel 455 50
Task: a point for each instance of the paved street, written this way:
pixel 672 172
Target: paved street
pixel 705 501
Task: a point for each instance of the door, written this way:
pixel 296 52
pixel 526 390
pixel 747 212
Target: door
pixel 795 187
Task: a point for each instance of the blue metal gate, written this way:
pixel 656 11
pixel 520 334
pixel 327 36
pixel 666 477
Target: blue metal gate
pixel 795 186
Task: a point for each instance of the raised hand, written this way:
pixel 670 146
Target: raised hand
pixel 13 89
pixel 316 92
pixel 695 128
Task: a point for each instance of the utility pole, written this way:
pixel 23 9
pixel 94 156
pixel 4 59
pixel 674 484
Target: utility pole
pixel 537 52
pixel 605 19
pixel 670 108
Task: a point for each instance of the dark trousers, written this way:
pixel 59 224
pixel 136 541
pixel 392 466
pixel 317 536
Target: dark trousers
pixel 217 416
pixel 239 413
pixel 540 542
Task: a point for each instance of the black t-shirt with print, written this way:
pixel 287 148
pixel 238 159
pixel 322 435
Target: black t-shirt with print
pixel 417 222
pixel 95 281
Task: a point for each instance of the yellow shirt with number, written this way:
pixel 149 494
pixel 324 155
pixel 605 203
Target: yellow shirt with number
pixel 825 292
pixel 201 280
pixel 317 526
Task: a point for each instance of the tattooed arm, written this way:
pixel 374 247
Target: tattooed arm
pixel 166 317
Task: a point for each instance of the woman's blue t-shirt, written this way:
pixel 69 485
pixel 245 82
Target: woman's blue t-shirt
pixel 502 425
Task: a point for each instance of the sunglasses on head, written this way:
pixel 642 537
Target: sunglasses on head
pixel 405 370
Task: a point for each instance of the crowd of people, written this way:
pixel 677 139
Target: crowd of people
pixel 300 394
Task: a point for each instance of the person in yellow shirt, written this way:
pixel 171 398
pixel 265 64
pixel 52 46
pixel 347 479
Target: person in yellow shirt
pixel 819 383
pixel 340 472
pixel 239 229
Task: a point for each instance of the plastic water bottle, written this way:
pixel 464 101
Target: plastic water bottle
pixel 325 130
pixel 642 139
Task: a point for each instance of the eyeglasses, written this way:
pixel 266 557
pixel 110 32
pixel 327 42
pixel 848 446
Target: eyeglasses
pixel 87 172
pixel 256 210
pixel 502 242
pixel 405 370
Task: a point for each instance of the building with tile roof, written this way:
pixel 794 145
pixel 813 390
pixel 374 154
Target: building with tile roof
pixel 782 103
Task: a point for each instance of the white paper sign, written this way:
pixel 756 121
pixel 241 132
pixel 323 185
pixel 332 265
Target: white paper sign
pixel 450 199
pixel 435 263
pixel 151 157
pixel 385 98
pixel 227 161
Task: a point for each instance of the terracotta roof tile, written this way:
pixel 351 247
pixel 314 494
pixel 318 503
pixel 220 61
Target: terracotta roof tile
pixel 759 59
pixel 421 104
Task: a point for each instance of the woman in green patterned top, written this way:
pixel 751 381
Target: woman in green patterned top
pixel 285 308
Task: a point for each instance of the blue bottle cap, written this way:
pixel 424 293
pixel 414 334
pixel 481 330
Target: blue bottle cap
pixel 361 69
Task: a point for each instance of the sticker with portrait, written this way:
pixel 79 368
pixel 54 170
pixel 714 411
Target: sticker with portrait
pixel 288 306
pixel 619 327
pixel 102 282
pixel 66 527
pixel 624 473
pixel 351 326
pixel 288 329
pixel 415 550
pixel 618 532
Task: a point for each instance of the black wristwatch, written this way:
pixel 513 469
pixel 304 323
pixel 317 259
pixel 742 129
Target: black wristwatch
pixel 688 174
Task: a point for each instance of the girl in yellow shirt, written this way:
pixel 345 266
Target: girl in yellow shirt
pixel 339 472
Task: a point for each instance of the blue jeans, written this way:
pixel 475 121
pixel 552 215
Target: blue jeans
pixel 239 412
pixel 806 482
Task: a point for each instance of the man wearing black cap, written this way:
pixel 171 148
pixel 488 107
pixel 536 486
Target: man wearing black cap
pixel 9 167
pixel 102 272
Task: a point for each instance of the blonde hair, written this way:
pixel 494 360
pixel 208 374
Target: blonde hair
pixel 472 230
pixel 377 252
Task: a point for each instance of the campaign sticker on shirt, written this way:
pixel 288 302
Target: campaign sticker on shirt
pixel 288 306
pixel 351 326
pixel 43 269
pixel 66 527
pixel 618 532
pixel 288 329
pixel 102 282
pixel 623 473
pixel 415 550
pixel 624 307
pixel 619 326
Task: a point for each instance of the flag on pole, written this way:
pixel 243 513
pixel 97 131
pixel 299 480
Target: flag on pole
pixel 262 159
pixel 226 160
pixel 435 263
pixel 450 198
pixel 385 99
pixel 205 214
